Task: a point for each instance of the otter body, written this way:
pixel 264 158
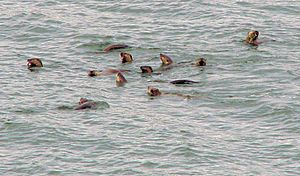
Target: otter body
pixel 154 92
pixel 85 104
pixel 34 62
pixel 183 81
pixel 146 69
pixel 105 72
pixel 114 47
pixel 199 62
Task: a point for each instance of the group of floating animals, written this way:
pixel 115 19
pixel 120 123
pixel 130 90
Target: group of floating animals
pixel 33 63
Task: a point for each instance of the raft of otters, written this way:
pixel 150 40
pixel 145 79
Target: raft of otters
pixel 33 63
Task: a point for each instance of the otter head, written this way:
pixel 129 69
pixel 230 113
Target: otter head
pixel 146 69
pixel 166 60
pixel 152 91
pixel 200 62
pixel 34 62
pixel 126 57
pixel 92 73
pixel 252 37
pixel 83 100
pixel 120 79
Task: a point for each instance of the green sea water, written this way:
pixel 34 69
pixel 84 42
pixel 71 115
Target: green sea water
pixel 243 121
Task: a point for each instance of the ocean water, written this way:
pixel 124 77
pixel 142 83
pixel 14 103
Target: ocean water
pixel 243 118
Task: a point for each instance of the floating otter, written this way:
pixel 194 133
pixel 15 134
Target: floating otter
pixel 200 62
pixel 114 47
pixel 166 60
pixel 146 69
pixel 183 81
pixel 126 57
pixel 252 38
pixel 106 72
pixel 82 100
pixel 153 92
pixel 120 79
pixel 34 62
pixel 86 104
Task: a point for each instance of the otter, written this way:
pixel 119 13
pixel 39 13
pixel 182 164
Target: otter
pixel 146 69
pixel 120 79
pixel 106 72
pixel 34 62
pixel 114 47
pixel 126 57
pixel 200 62
pixel 166 60
pixel 86 104
pixel 153 92
pixel 252 38
pixel 183 81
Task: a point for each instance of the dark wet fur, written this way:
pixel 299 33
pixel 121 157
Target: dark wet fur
pixel 183 81
pixel 146 69
pixel 86 105
pixel 115 47
pixel 91 73
pixel 34 62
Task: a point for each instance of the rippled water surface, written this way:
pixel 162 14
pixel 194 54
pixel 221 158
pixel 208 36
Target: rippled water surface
pixel 243 119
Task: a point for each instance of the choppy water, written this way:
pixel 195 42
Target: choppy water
pixel 245 121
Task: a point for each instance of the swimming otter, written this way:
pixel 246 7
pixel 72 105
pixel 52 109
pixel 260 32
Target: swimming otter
pixel 153 92
pixel 34 62
pixel 200 62
pixel 106 72
pixel 126 57
pixel 166 60
pixel 252 38
pixel 114 47
pixel 183 81
pixel 82 100
pixel 120 79
pixel 146 69
pixel 86 104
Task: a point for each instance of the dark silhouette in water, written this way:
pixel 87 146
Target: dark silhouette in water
pixel 183 81
pixel 34 62
pixel 114 47
pixel 106 72
pixel 154 92
pixel 86 104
